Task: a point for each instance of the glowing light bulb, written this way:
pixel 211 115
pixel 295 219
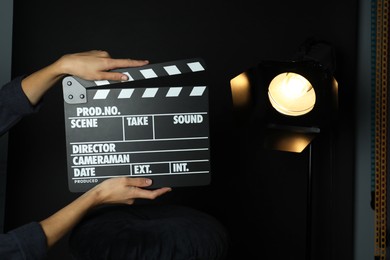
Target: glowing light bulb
pixel 291 94
pixel 294 85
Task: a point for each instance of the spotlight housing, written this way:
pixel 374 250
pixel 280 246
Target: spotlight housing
pixel 291 97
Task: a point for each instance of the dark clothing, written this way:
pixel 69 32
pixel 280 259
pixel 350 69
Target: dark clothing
pixel 163 232
pixel 13 104
pixel 28 241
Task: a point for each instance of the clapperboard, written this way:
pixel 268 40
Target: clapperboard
pixel 154 125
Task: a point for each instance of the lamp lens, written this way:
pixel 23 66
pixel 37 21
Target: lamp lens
pixel 291 94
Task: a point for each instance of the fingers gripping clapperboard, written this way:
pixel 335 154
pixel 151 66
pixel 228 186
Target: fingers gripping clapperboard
pixel 154 125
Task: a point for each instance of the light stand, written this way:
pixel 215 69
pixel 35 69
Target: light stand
pixel 296 127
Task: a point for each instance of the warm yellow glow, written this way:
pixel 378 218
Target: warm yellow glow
pixel 293 143
pixel 240 87
pixel 335 88
pixel 288 141
pixel 291 94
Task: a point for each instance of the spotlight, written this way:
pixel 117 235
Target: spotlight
pixel 298 95
pixel 291 117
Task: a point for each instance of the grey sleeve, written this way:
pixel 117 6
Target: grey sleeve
pixel 27 242
pixel 13 104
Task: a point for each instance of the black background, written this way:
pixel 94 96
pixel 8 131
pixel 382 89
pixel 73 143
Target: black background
pixel 250 195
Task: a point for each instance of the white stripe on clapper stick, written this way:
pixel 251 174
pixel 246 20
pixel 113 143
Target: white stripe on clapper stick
pixel 172 70
pixel 101 94
pixel 174 91
pixel 126 93
pixel 148 73
pixel 195 66
pixel 101 82
pixel 197 91
pixel 150 92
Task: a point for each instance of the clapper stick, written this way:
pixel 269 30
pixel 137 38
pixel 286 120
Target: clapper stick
pixel 74 93
pixel 120 129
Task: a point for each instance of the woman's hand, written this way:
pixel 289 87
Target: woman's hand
pixel 90 65
pixel 95 65
pixel 124 190
pixel 115 190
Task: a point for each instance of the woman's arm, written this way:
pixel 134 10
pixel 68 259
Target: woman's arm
pixel 19 97
pixel 90 65
pixel 115 190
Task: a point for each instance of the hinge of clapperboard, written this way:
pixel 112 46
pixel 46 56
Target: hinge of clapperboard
pixel 75 91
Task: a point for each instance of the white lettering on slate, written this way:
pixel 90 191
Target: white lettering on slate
pixel 180 167
pixel 97 111
pixel 142 168
pixel 83 123
pixel 187 119
pixel 84 172
pixel 137 120
pixel 101 159
pixel 93 148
